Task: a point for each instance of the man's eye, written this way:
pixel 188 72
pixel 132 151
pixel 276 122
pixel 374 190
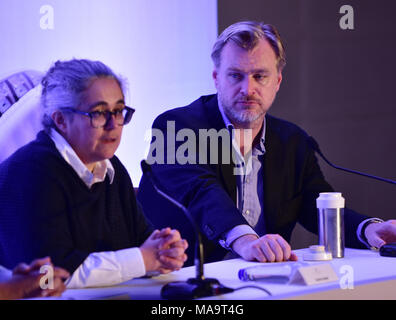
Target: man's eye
pixel 260 77
pixel 118 112
pixel 235 76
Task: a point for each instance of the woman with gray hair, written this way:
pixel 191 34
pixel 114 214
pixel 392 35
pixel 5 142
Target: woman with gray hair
pixel 66 82
pixel 67 196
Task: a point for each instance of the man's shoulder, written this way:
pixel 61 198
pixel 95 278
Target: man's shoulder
pixel 285 133
pixel 194 107
pixel 197 112
pixel 284 127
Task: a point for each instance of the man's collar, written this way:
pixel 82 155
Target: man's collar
pixel 230 126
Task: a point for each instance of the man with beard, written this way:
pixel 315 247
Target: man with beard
pixel 251 204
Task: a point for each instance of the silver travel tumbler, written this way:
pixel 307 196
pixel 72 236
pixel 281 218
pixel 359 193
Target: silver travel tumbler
pixel 331 222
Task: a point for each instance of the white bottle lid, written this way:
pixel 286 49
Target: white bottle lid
pixel 332 200
pixel 317 253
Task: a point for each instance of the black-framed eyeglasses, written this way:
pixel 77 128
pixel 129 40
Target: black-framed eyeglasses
pixel 99 119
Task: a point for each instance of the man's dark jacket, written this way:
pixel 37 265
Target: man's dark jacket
pixel 292 180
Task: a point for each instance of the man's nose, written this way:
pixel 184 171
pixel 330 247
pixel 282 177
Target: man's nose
pixel 247 86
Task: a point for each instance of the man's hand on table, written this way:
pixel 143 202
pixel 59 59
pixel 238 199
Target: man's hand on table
pixel 268 248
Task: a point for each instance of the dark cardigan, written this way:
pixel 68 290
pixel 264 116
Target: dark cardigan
pixel 47 210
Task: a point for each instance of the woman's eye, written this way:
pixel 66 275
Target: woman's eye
pixel 97 114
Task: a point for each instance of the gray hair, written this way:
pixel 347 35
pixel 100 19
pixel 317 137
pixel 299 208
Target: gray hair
pixel 65 83
pixel 246 34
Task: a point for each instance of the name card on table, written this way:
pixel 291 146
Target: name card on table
pixel 314 274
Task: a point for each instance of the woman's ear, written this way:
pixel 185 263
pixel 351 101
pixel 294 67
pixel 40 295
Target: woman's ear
pixel 60 121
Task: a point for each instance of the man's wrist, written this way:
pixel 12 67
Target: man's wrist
pixel 361 231
pixel 241 242
pixel 234 234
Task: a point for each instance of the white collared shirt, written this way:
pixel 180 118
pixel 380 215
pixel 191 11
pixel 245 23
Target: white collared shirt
pixel 243 229
pixel 99 268
pixel 100 170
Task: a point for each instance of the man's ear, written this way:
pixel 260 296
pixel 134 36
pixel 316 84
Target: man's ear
pixel 214 76
pixel 279 80
pixel 60 121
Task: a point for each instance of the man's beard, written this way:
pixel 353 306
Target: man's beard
pixel 241 117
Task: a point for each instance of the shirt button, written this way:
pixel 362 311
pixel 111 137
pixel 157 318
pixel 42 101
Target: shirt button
pixel 247 212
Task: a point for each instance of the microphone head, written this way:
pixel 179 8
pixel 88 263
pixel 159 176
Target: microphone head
pixel 146 168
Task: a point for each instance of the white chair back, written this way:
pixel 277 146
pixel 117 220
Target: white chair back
pixel 20 121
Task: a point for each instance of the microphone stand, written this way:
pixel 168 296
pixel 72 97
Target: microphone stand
pixel 194 287
pixel 315 146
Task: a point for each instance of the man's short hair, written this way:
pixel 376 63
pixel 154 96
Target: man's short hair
pixel 246 34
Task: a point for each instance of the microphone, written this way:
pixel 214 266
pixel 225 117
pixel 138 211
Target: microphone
pixel 315 146
pixel 194 287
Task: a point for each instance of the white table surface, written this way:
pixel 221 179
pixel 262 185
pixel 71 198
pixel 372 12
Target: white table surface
pixel 368 267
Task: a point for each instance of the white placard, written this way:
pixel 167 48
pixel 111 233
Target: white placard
pixel 314 274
